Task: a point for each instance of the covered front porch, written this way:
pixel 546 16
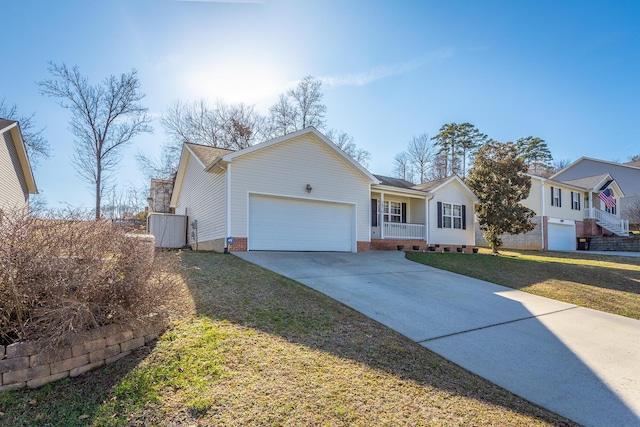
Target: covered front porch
pixel 399 216
pixel 602 210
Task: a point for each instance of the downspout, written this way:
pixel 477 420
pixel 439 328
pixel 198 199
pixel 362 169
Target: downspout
pixel 542 192
pixel 381 222
pixel 228 201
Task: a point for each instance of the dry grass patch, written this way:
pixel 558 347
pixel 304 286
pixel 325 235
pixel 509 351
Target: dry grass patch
pixel 267 351
pixel 601 282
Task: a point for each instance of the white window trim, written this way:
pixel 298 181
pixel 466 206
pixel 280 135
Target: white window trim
pixel 387 215
pixel 452 217
pixel 556 197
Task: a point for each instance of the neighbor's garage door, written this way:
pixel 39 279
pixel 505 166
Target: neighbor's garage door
pixel 280 224
pixel 562 237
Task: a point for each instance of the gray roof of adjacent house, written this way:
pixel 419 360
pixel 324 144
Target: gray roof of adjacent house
pixel 394 182
pixel 626 175
pixel 207 154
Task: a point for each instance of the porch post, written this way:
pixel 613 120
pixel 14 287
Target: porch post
pixel 426 219
pixel 381 212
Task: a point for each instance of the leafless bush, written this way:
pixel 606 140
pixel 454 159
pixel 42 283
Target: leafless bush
pixel 61 276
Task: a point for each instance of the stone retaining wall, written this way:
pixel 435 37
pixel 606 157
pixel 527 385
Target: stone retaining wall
pixel 29 364
pixel 615 243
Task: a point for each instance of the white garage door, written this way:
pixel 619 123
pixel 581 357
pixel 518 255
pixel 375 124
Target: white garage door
pixel 562 237
pixel 280 224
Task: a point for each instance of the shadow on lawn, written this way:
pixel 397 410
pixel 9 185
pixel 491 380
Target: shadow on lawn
pixel 228 288
pixel 526 272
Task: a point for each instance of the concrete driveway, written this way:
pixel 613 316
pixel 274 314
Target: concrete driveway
pixel 577 362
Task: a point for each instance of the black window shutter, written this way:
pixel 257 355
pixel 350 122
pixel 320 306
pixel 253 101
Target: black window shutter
pixel 404 213
pixel 464 217
pixel 578 194
pixel 552 196
pixel 572 200
pixel 439 214
pixel 559 198
pixel 374 213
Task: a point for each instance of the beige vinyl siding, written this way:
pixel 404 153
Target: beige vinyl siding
pixel 13 188
pixel 203 194
pixel 564 211
pixel 454 193
pixel 416 208
pixel 285 169
pixel 534 200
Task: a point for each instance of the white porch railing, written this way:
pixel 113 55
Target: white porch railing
pixel 609 221
pixel 395 230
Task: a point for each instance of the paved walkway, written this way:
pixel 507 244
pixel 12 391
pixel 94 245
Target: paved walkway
pixel 577 362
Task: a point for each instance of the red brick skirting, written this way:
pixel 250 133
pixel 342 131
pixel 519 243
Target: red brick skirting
pixel 29 364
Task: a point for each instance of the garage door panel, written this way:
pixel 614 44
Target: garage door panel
pixel 299 225
pixel 561 237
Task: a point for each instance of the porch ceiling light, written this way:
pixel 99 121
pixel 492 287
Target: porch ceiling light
pixel 309 188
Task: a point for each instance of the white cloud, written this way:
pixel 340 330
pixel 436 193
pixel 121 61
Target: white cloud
pixel 384 71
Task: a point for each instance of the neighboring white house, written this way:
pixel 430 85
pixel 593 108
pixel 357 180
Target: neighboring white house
pixel 566 211
pixel 300 192
pixel 16 176
pixel 627 175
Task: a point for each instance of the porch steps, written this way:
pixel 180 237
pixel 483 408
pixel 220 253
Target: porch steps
pixel 615 229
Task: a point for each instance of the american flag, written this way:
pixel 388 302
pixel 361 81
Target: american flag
pixel 607 197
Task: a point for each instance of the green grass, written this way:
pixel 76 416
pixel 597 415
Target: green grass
pixel 265 350
pixel 600 282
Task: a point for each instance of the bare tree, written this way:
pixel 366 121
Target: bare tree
pixel 346 143
pixel 307 100
pixel 632 211
pixel 298 108
pixel 104 118
pixel 421 154
pixel 402 167
pixel 232 126
pixel 282 117
pixel 35 142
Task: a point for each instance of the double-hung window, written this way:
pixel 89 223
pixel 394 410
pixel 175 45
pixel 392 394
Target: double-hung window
pixel 392 211
pixel 556 197
pixel 452 215
pixel 575 201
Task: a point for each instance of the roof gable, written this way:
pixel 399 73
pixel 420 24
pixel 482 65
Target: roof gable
pixel 291 136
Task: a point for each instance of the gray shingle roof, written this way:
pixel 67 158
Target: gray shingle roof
pixel 588 182
pixel 394 182
pixel 430 185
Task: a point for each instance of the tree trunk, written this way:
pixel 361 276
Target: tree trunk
pixel 98 192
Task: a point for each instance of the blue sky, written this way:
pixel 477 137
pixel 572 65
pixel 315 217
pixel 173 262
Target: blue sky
pixel 565 71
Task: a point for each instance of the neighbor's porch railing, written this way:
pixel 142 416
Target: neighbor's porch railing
pixel 395 230
pixel 605 216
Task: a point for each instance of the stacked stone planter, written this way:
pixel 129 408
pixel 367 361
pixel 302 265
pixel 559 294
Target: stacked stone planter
pixel 29 364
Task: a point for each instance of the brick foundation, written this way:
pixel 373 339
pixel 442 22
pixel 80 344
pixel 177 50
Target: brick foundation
pixel 363 246
pixel 27 364
pixel 392 245
pixel 239 245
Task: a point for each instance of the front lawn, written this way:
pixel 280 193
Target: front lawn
pixel 601 282
pixel 265 350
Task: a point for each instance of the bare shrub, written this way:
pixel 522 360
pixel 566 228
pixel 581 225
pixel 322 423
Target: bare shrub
pixel 62 276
